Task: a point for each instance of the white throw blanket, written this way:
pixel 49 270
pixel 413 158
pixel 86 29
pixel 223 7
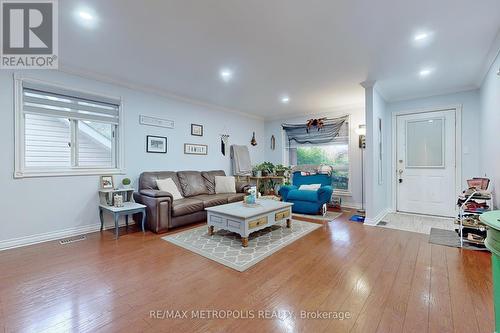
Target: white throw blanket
pixel 240 157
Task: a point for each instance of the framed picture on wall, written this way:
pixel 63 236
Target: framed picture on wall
pixel 156 144
pixel 196 130
pixel 195 149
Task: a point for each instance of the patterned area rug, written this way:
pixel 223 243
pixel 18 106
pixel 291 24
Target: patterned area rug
pixel 329 216
pixel 225 247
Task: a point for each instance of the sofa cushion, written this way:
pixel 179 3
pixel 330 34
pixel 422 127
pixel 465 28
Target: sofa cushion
pixel 209 177
pixel 168 185
pixel 235 197
pixel 186 206
pixel 147 180
pixel 210 200
pixel 192 183
pixel 225 184
pixel 309 187
pixel 311 196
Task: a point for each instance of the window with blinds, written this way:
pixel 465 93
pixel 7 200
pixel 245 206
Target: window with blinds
pixel 321 147
pixel 66 132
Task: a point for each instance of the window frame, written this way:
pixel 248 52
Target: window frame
pixel 350 149
pixel 20 170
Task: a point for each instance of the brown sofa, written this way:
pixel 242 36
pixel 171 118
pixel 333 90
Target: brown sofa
pixel 197 189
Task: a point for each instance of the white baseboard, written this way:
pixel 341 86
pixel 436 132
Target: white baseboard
pixel 54 235
pixel 377 218
pixel 352 205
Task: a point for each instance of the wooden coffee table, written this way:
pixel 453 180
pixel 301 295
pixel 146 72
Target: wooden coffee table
pixel 239 218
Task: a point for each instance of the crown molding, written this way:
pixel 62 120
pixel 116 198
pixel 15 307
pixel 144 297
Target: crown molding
pixel 466 89
pixel 86 74
pixel 368 84
pixel 343 109
pixel 490 59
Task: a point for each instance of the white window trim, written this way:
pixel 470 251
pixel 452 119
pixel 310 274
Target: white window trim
pixel 21 172
pixel 337 192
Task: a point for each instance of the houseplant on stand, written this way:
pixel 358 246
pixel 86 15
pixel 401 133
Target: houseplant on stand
pixel 257 170
pixel 126 183
pixel 281 170
pixel 267 169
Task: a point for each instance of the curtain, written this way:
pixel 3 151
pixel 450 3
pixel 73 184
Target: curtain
pixel 332 129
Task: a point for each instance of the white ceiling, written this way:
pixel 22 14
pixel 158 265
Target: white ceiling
pixel 317 51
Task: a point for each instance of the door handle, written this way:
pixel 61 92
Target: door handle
pixel 400 178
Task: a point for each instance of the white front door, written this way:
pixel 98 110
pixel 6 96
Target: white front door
pixel 426 163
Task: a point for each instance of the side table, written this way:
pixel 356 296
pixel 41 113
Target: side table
pixel 128 208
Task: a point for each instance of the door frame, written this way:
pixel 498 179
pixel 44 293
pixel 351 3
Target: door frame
pixel 458 146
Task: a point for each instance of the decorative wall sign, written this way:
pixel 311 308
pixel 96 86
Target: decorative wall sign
pixel 156 144
pixel 196 130
pixel 158 122
pixel 195 149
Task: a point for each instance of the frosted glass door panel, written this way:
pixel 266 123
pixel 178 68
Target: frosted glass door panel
pixel 425 143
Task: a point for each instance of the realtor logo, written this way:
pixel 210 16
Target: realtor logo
pixel 29 34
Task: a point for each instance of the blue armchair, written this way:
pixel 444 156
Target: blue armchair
pixel 308 202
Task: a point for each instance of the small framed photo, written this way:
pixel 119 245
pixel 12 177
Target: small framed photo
pixel 107 183
pixel 196 130
pixel 156 144
pixel 195 149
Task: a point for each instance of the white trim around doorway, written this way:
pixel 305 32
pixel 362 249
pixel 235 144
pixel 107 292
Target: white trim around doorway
pixel 458 146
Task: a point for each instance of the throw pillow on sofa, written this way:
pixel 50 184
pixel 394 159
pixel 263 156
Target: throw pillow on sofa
pixel 168 185
pixel 225 184
pixel 312 187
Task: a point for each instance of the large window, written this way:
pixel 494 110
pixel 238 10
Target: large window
pixel 62 132
pixel 334 154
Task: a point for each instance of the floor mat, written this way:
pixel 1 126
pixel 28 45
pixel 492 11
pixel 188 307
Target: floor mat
pixel 329 216
pixel 357 218
pixel 415 223
pixel 450 238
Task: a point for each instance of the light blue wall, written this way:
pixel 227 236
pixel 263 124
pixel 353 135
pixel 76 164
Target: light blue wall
pixel 489 129
pixel 377 193
pixel 357 118
pixel 45 205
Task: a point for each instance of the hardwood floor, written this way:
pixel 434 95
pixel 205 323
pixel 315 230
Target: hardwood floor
pixel 388 281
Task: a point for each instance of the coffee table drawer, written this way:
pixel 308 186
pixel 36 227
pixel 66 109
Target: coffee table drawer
pixel 218 221
pixel 282 215
pixel 257 223
pixel 235 226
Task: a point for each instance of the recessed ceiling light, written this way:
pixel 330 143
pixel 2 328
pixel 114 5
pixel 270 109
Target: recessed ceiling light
pixel 425 72
pixel 421 36
pixel 226 74
pixel 285 99
pixel 85 16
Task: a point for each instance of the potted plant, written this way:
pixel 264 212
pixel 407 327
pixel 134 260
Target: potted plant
pixel 281 170
pixel 126 182
pixel 267 168
pixel 257 171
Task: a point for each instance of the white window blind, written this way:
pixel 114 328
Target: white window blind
pixel 67 132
